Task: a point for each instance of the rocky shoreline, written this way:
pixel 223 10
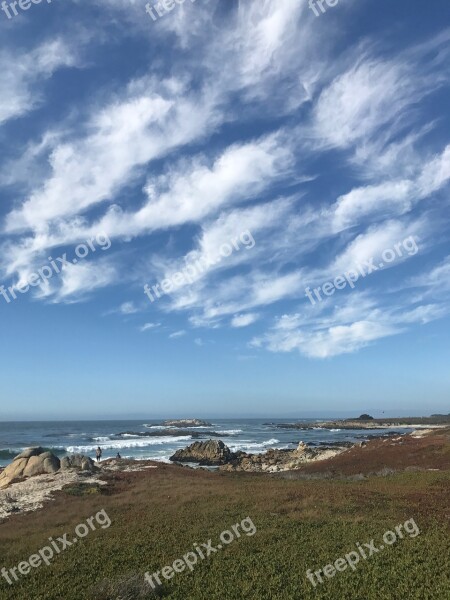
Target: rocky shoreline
pixel 214 453
pixel 352 424
pixel 35 474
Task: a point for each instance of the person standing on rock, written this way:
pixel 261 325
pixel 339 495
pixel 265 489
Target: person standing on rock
pixel 98 453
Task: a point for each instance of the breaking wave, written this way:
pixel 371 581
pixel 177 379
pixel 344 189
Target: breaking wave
pixel 130 443
pixel 248 445
pixel 229 431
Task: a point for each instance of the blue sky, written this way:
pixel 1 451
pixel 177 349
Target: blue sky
pixel 279 150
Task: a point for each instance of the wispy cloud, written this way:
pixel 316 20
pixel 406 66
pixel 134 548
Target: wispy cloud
pixel 149 327
pixel 260 118
pixel 353 324
pixel 23 74
pixel 177 334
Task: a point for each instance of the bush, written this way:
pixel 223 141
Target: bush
pixel 83 489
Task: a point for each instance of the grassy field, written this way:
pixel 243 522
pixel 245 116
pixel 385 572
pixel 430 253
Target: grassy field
pixel 302 524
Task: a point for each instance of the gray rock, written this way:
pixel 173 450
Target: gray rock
pixel 77 461
pixel 52 464
pixel 29 452
pixel 211 452
pixel 186 423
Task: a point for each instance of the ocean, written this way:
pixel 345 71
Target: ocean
pixel 145 439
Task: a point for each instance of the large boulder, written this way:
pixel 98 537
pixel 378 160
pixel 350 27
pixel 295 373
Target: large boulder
pixel 29 452
pixel 77 461
pixel 30 462
pixel 43 463
pixel 209 453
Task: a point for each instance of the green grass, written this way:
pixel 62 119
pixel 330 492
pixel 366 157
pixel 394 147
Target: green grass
pixel 157 516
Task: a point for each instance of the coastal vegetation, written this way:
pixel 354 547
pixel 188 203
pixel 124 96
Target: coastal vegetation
pixel 157 514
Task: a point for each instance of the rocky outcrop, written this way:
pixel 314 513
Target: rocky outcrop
pixel 77 461
pixel 187 423
pixel 273 460
pixel 170 432
pixel 38 461
pixel 210 453
pixel 30 462
pixel 215 453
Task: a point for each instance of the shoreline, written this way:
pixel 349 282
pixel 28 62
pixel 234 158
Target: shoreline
pixel 373 424
pixel 33 493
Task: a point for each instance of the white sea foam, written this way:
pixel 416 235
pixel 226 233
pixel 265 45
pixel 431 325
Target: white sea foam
pixel 164 459
pixel 138 443
pixel 249 445
pixel 229 431
pixel 102 439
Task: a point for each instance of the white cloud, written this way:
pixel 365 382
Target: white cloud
pixel 352 324
pixel 244 320
pixel 128 308
pixel 149 326
pixel 237 294
pixel 23 72
pixel 394 197
pixel 91 170
pixel 378 238
pixel 177 334
pixel 434 284
pixel 79 280
pixel 212 143
pixel 241 172
pixel 237 230
pixel 188 193
pixel 372 94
